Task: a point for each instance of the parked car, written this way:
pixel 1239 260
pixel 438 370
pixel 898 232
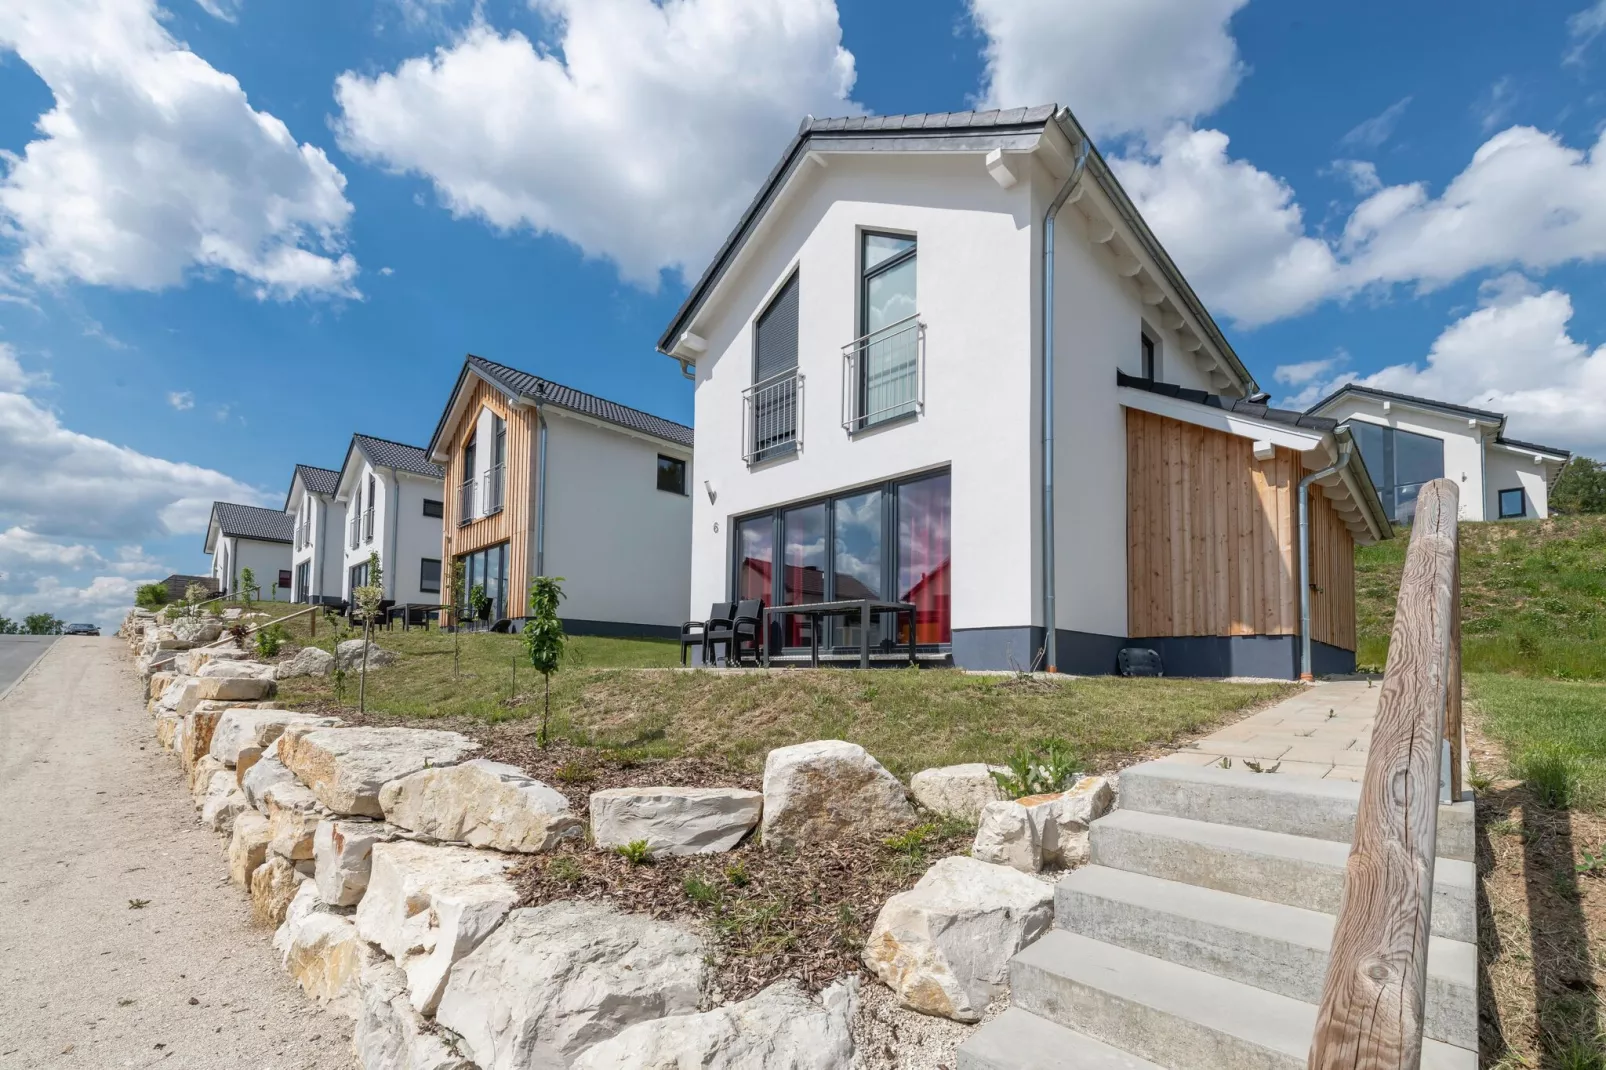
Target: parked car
pixel 81 629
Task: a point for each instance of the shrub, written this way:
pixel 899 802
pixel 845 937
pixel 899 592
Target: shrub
pixel 636 852
pixel 1550 776
pixel 700 891
pixel 270 639
pixel 151 595
pixel 1046 766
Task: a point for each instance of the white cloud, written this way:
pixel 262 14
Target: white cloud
pixel 182 400
pixel 153 164
pixel 227 10
pixel 638 133
pixel 12 377
pixel 1137 65
pixel 104 600
pixel 1373 132
pixel 19 545
pixel 1309 371
pixel 1582 29
pixel 1360 174
pixel 1494 107
pixel 387 271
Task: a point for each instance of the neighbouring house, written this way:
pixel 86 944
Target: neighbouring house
pixel 178 583
pixel 1409 440
pixel 393 504
pixel 545 480
pixel 317 558
pixel 868 353
pixel 241 537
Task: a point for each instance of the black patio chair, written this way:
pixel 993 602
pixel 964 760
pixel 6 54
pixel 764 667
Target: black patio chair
pixel 694 632
pixel 502 627
pixel 744 627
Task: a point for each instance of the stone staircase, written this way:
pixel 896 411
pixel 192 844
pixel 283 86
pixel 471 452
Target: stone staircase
pixel 1197 936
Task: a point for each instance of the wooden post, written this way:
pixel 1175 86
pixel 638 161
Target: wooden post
pixel 1452 707
pixel 1373 997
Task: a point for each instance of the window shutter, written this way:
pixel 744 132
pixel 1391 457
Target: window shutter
pixel 775 347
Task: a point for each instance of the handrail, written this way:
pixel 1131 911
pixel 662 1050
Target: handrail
pixel 1372 999
pixel 772 417
pixel 897 387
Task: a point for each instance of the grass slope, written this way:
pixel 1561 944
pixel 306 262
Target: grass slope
pixel 1533 597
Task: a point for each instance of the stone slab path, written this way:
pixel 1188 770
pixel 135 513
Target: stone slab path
pixel 1322 732
pixel 94 818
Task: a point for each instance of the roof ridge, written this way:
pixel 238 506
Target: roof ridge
pixel 576 390
pixel 393 442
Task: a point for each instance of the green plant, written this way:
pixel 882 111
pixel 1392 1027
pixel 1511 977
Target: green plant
pixel 8 626
pixel 573 773
pixel 248 582
pixel 564 868
pixel 636 852
pixel 1550 776
pixel 150 595
pixel 912 843
pixel 270 639
pixel 196 593
pixel 1044 767
pixel 1479 780
pixel 1594 862
pixel 847 935
pixel 700 891
pixel 544 639
pixel 273 591
pixel 42 624
pixel 368 596
pixel 737 874
pixel 172 613
pixel 479 603
pixel 1256 767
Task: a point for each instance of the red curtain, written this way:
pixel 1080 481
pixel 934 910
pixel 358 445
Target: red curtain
pixel 924 555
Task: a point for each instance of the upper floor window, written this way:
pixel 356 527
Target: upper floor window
pixel 1151 363
pixel 671 474
pixel 1399 462
pixel 883 364
pixel 434 508
pixel 773 404
pixel 1513 503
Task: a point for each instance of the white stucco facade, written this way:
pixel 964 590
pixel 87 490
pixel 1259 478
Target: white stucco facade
pixel 384 512
pixel 266 560
pixel 316 551
pixel 1476 452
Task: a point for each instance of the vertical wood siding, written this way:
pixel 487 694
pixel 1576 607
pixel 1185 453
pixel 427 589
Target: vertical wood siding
pixel 1212 539
pixel 515 524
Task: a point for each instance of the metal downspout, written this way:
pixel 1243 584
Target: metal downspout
pixel 540 495
pixel 1050 643
pixel 393 537
pixel 1305 672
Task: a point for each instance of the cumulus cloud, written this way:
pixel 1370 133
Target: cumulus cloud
pixel 152 164
pixel 1138 65
pixel 639 133
pixel 182 400
pixel 103 600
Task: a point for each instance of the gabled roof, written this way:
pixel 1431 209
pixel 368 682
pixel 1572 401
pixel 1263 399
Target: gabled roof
pixel 1409 399
pixel 525 387
pixel 384 453
pixel 319 481
pixel 252 522
pixel 1259 410
pixel 1517 443
pixel 1011 130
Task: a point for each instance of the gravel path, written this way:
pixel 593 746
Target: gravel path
pixel 95 820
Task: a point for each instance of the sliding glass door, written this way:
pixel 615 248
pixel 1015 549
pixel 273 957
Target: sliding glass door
pixel 487 568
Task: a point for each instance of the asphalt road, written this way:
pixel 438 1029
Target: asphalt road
pixel 17 652
pixel 122 941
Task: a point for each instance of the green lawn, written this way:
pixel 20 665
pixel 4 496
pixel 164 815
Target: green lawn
pixel 609 695
pixel 1553 733
pixel 1533 597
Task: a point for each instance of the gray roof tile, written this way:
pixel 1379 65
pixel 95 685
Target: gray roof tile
pixel 534 388
pixel 254 522
pixel 318 480
pixel 1291 417
pixel 397 455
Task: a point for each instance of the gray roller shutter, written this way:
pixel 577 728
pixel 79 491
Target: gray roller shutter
pixel 775 344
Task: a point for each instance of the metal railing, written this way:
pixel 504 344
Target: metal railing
pixel 1375 992
pixel 493 490
pixel 356 530
pixel 368 524
pixel 772 417
pixel 884 374
pixel 465 503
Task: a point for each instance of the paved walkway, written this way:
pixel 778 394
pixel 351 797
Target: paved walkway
pixel 17 652
pixel 122 942
pixel 1323 732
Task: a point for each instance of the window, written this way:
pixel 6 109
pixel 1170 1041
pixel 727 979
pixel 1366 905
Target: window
pixel 1513 503
pixel 487 568
pixel 429 575
pixel 887 540
pixel 1399 462
pixel 434 508
pixel 671 474
pixel 493 489
pixel 1151 366
pixel 772 400
pixel 284 579
pixel 888 350
pixel 357 576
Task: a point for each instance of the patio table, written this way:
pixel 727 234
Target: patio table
pixel 865 608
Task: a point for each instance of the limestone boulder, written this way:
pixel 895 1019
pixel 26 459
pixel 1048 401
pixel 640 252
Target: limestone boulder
pixel 308 661
pixel 428 907
pixel 342 852
pixel 175 693
pixel 197 629
pixel 1062 819
pixel 235 670
pixel 201 777
pixel 554 980
pixel 390 1034
pixel 348 655
pixel 273 885
pixel 167 723
pixel 944 946
pixel 248 847
pixel 194 659
pixel 232 688
pixel 321 950
pixel 158 683
pixel 260 777
pixel 830 790
pixel 780 1028
pixel 291 832
pixel 674 821
pixel 957 791
pixel 346 767
pixel 481 803
pixel 1006 835
pixel 222 802
pixel 244 727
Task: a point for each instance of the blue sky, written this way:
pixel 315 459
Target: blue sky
pixel 232 231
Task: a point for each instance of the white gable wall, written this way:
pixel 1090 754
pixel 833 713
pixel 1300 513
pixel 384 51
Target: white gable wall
pixel 416 536
pixel 264 559
pixel 1463 444
pixel 1507 470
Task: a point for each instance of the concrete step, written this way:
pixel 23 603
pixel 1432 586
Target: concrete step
pixel 1172 1015
pixel 1278 948
pixel 1016 1040
pixel 1275 866
pixel 1272 802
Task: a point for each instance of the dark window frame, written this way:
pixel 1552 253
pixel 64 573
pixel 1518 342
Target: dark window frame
pixel 861 385
pixel 423 575
pixel 287 579
pixel 1384 474
pixel 1522 501
pixel 678 465
pixel 792 281
pixel 440 508
pixel 1148 356
pixel 889 540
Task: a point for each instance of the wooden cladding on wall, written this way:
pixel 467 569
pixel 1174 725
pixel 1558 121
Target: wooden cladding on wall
pixel 515 523
pixel 1212 538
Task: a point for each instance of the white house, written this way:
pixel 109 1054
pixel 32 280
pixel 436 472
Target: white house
pixel 393 505
pixel 546 480
pixel 1409 440
pixel 241 537
pixel 317 558
pixel 867 348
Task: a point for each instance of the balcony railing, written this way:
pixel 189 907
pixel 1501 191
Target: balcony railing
pixel 884 375
pixel 465 503
pixel 368 524
pixel 356 530
pixel 772 417
pixel 493 490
